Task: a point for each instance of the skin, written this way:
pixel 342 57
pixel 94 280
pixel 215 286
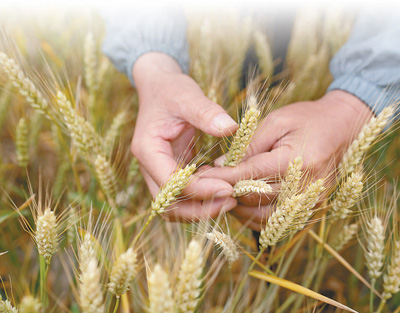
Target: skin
pixel 172 106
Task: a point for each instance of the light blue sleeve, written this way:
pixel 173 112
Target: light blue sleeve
pixel 368 64
pixel 131 33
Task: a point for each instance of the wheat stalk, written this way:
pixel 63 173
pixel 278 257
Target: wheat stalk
pixel 160 292
pixel 347 196
pixel 21 142
pixel 391 279
pixel 375 246
pixel 244 187
pixel 46 236
pixel 354 154
pixel 6 307
pixel 226 243
pixel 30 304
pixel 188 288
pixel 169 192
pixel 346 234
pixel 244 134
pixel 122 273
pixel 24 85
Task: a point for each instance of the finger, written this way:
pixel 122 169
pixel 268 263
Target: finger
pixel 195 210
pixel 256 214
pixel 268 164
pixel 249 223
pixel 208 116
pixel 257 199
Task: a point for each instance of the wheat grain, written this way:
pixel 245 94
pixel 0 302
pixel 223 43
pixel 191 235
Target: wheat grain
pixel 375 246
pixel 347 196
pixel 122 273
pixel 188 288
pixel 354 154
pixel 160 292
pixel 21 142
pixel 391 279
pixel 244 187
pixel 226 243
pixel 169 192
pixel 346 234
pixel 30 304
pixel 46 236
pixel 6 307
pixel 244 134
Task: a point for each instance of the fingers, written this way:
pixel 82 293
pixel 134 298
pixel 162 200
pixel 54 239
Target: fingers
pixel 195 210
pixel 263 165
pixel 209 117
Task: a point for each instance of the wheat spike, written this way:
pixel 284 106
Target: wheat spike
pixel 264 54
pixel 354 154
pixel 114 130
pixel 168 194
pixel 24 85
pixel 46 236
pixel 244 187
pixel 81 132
pixel 91 73
pixel 347 196
pixel 71 230
pixel 5 103
pixel 346 234
pixel 291 182
pixel 188 288
pixel 21 142
pixel 106 177
pixel 30 304
pixel 279 223
pixel 375 246
pixel 244 134
pixel 90 289
pixel 391 279
pixel 226 243
pixel 122 273
pixel 310 200
pixel 6 307
pixel 160 292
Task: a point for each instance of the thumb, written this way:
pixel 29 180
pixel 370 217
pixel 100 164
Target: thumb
pixel 209 117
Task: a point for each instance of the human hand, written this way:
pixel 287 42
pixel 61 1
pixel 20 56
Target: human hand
pixel 171 107
pixel 319 131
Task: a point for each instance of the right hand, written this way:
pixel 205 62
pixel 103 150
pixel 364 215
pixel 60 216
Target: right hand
pixel 171 107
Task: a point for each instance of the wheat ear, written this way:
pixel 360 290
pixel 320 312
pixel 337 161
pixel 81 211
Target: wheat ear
pixel 24 85
pixel 160 292
pixel 90 61
pixel 226 243
pixel 114 130
pixel 188 288
pixel 6 307
pixel 291 182
pixel 280 222
pixel 346 234
pixel 347 196
pixel 171 190
pixel 375 246
pixel 264 55
pixel 354 154
pixel 21 142
pixel 46 236
pixel 122 273
pixel 244 187
pixel 90 289
pixel 244 134
pixel 30 304
pixel 391 279
pixel 106 177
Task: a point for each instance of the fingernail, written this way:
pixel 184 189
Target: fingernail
pixel 223 193
pixel 223 121
pixel 220 161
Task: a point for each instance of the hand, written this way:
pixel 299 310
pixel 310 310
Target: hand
pixel 171 107
pixel 319 131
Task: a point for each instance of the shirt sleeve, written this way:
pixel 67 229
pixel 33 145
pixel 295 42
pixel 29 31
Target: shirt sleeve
pixel 131 33
pixel 368 64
